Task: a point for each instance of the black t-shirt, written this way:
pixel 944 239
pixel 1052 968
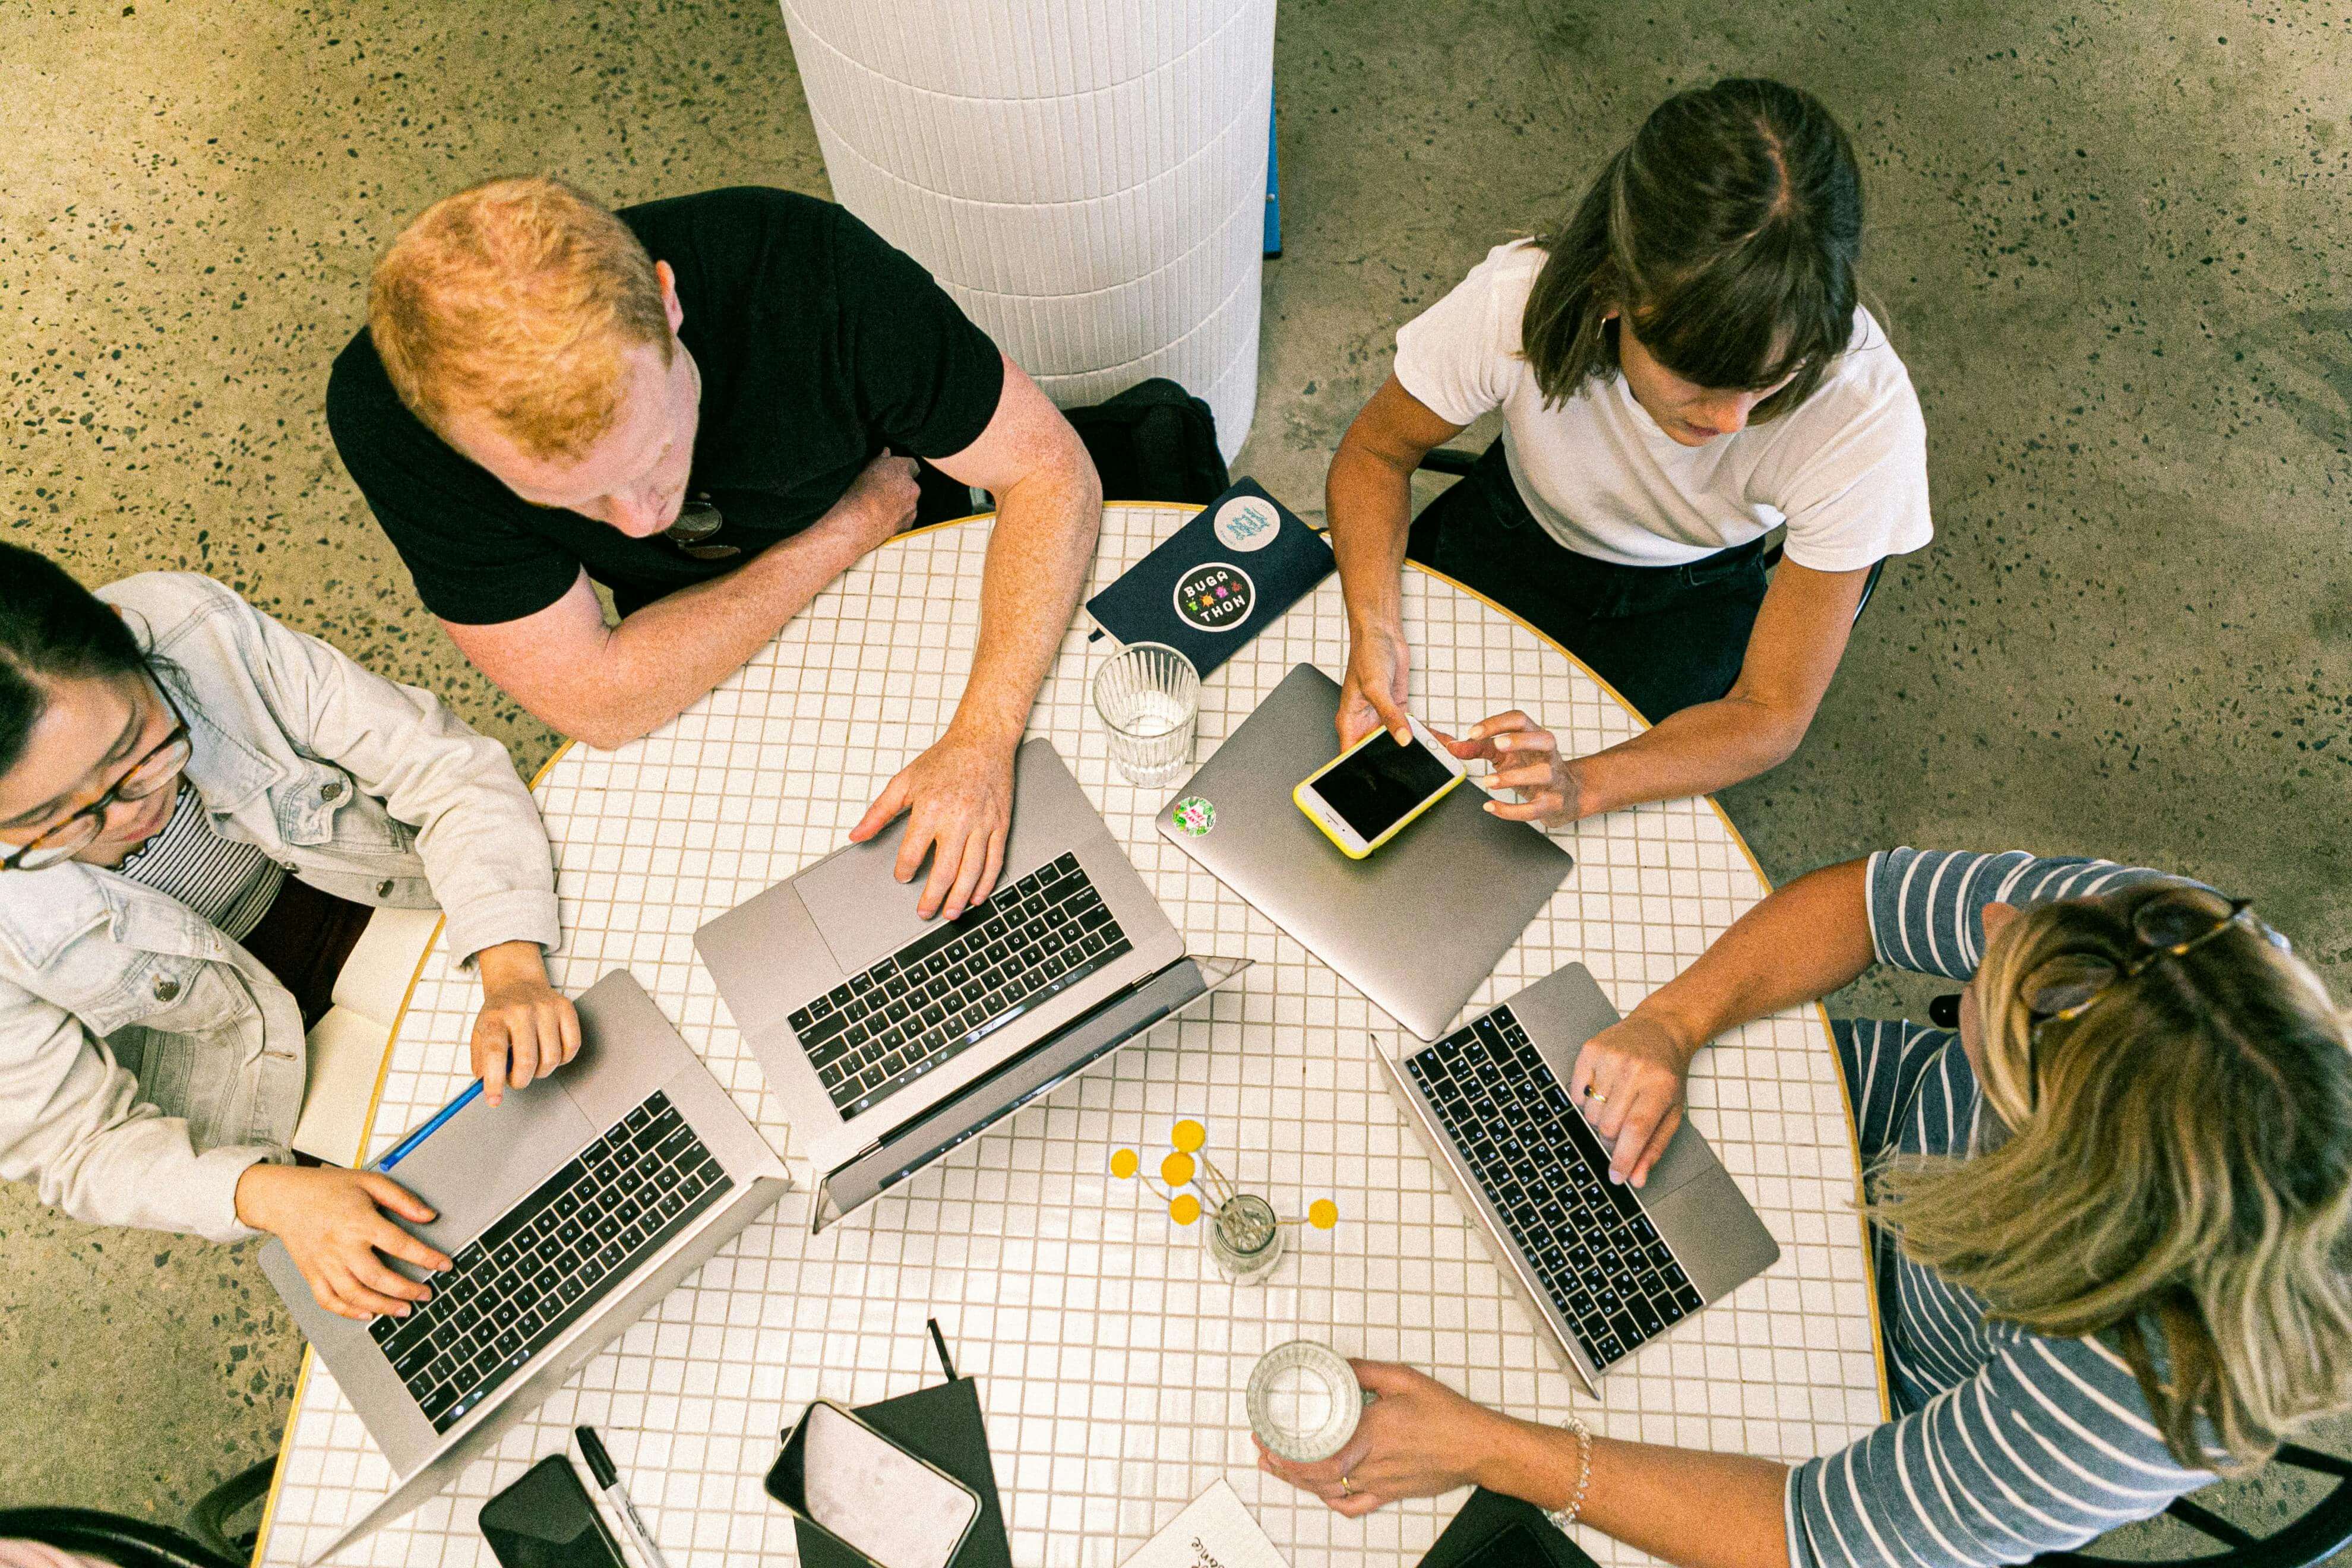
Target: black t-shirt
pixel 819 345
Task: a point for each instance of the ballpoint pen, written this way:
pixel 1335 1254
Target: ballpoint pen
pixel 608 1481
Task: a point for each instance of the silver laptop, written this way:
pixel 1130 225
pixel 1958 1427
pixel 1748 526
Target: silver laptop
pixel 568 1212
pixel 890 1038
pixel 1418 925
pixel 1604 1267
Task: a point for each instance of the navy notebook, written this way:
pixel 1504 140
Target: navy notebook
pixel 1219 581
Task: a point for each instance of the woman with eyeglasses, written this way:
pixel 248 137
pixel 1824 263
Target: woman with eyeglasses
pixel 2108 1195
pixel 199 809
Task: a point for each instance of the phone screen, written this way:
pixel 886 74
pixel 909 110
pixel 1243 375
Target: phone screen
pixel 1379 782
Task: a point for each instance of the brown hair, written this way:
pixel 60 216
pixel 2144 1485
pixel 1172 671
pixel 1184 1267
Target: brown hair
pixel 516 300
pixel 2174 1168
pixel 1727 231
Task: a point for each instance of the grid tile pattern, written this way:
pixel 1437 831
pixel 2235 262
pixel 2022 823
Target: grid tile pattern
pixel 1110 1352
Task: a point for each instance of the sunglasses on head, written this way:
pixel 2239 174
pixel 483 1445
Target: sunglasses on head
pixel 2177 921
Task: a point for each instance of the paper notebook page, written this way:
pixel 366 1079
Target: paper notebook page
pixel 374 978
pixel 1215 1531
pixel 346 1052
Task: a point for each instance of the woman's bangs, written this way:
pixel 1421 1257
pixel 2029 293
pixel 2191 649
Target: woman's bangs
pixel 1743 325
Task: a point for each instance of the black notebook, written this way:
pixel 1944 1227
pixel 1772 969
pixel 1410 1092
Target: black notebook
pixel 941 1424
pixel 1218 581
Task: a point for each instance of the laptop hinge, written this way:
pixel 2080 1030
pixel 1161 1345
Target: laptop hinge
pixel 883 1165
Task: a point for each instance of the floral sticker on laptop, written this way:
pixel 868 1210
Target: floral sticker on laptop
pixel 1194 817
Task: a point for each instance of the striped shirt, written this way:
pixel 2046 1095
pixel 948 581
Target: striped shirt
pixel 2006 1443
pixel 227 882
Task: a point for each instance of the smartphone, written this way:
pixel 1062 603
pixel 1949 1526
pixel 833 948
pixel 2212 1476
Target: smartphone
pixel 1365 795
pixel 894 1509
pixel 545 1520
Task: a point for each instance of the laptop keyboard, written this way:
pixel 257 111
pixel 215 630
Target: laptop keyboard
pixel 550 1259
pixel 1604 1265
pixel 876 1032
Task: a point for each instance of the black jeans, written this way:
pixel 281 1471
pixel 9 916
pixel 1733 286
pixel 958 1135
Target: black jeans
pixel 1665 636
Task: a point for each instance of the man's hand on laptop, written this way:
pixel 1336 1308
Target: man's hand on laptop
pixel 334 1231
pixel 527 1028
pixel 1629 1080
pixel 959 798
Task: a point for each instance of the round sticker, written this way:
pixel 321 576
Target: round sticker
pixel 1215 596
pixel 1246 523
pixel 1195 816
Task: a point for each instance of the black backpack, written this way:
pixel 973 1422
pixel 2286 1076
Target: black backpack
pixel 1155 441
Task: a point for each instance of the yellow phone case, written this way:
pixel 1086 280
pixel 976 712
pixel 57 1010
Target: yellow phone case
pixel 1399 826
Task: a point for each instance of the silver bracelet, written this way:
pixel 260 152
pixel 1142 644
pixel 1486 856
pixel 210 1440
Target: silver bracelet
pixel 1561 1518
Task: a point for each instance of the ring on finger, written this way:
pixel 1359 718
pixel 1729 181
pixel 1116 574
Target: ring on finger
pixel 1595 1096
pixel 1346 1487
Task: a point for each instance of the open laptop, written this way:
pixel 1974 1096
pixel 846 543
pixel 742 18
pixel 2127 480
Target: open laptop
pixel 1604 1267
pixel 568 1212
pixel 1420 924
pixel 890 1040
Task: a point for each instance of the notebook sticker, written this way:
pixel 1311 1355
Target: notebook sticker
pixel 1215 596
pixel 1194 817
pixel 1246 523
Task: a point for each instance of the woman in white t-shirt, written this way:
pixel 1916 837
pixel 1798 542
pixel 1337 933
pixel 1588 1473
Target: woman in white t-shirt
pixel 1681 369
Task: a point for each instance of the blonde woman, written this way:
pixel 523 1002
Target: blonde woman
pixel 2108 1215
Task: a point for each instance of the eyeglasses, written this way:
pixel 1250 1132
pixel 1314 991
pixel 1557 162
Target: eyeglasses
pixel 149 774
pixel 697 521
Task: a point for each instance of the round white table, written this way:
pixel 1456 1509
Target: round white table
pixel 1110 1354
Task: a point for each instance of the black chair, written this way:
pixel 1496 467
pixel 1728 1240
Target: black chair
pixel 133 1542
pixel 1456 461
pixel 2321 1532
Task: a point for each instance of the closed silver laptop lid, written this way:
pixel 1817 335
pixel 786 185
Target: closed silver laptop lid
pixel 1418 924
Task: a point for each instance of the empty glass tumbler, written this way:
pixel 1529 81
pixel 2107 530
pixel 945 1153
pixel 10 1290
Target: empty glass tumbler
pixel 1147 696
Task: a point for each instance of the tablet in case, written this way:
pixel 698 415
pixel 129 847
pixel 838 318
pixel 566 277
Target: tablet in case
pixel 1218 581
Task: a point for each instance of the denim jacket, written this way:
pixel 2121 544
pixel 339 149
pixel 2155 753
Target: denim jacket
pixel 146 1060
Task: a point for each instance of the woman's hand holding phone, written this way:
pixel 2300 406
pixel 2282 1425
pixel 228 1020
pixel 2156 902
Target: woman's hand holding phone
pixel 1526 758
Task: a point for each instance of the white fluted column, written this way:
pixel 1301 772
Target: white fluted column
pixel 1085 178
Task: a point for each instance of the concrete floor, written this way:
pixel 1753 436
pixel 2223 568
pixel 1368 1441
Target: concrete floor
pixel 2103 235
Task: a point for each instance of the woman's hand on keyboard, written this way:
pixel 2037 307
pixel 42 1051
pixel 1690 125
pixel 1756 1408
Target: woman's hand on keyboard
pixel 1628 1080
pixel 334 1230
pixel 527 1028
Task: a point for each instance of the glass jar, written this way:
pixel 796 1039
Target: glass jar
pixel 1244 1238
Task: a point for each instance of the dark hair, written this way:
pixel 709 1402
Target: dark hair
pixel 51 627
pixel 1726 232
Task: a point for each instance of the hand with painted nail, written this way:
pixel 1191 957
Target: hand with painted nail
pixel 1526 758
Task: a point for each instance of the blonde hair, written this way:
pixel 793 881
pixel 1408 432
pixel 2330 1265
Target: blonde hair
pixel 2174 1166
pixel 516 300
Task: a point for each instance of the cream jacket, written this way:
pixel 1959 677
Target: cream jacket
pixel 146 1060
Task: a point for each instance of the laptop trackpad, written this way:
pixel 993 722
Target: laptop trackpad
pixel 861 909
pixel 487 1158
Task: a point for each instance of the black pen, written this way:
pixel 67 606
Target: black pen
pixel 608 1481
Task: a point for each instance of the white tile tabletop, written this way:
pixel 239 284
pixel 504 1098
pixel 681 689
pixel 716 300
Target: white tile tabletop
pixel 1110 1354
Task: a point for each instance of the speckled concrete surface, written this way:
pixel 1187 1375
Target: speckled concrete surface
pixel 2104 235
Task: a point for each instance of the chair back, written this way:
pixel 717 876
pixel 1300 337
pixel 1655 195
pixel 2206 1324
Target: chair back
pixel 2323 1530
pixel 133 1542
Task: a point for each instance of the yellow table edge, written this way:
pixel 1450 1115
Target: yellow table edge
pixel 1852 1133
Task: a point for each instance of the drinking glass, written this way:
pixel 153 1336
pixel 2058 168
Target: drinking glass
pixel 1147 696
pixel 1304 1401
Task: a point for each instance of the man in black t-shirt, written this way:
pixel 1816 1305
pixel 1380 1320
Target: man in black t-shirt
pixel 710 406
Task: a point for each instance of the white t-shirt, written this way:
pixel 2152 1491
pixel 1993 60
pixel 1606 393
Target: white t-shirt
pixel 1846 469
